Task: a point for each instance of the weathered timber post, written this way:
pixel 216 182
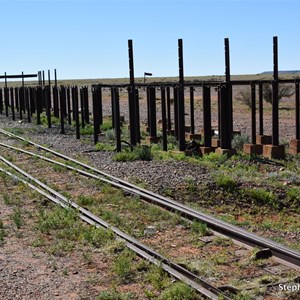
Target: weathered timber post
pixel 76 110
pixel 96 91
pixel 207 130
pixel 192 108
pixel 181 114
pixel 12 103
pixel 1 101
pixel 152 115
pixel 225 108
pixel 169 127
pixel 116 114
pixel 55 97
pixel 275 150
pixel 163 118
pixel 48 101
pixel 131 97
pixel 62 104
pixel 86 104
pixel 39 104
pixel 69 106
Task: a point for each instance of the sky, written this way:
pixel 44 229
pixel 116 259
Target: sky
pixel 86 39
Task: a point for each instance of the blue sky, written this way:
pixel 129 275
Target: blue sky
pixel 88 39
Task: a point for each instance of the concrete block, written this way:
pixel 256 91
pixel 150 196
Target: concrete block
pixel 152 139
pixel 215 143
pixel 194 136
pixel 212 131
pixel 228 152
pixel 253 149
pixel 206 150
pixel 271 151
pixel 294 146
pixel 264 139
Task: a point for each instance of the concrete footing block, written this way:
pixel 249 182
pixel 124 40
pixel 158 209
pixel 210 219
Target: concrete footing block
pixel 228 152
pixel 215 143
pixel 294 146
pixel 271 151
pixel 206 150
pixel 152 139
pixel 253 149
pixel 264 139
pixel 193 136
pixel 212 132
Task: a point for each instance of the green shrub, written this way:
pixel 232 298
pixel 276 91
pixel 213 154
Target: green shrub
pixel 114 295
pixel 97 236
pixel 158 278
pixel 178 291
pixel 88 129
pixel 293 195
pixel 141 152
pixel 225 182
pixel 199 228
pixel 106 125
pixel 58 218
pixel 104 147
pixel 243 296
pixel 6 199
pixel 125 156
pixel 2 232
pixel 238 141
pixel 214 158
pixel 17 218
pixel 110 134
pixel 123 265
pixel 261 197
pixel 85 200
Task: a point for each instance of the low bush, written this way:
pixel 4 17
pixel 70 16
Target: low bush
pixel 178 291
pixel 142 152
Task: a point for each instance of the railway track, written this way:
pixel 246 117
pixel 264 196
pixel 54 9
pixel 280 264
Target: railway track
pixel 177 271
pixel 142 250
pixel 285 255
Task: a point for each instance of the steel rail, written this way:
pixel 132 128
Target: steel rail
pixel 282 252
pixel 142 250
